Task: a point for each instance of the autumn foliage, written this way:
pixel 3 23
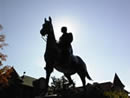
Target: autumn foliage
pixel 2 44
pixel 5 71
pixel 5 75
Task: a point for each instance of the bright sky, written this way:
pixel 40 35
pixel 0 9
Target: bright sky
pixel 101 30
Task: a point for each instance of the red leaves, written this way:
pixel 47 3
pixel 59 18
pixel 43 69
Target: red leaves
pixel 3 57
pixel 5 75
pixel 5 72
pixel 2 44
pixel 2 38
pixel 1 27
pixel 2 41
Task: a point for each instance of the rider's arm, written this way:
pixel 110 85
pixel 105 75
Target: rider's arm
pixel 70 39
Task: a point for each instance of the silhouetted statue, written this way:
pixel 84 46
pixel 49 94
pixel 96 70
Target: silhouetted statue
pixel 53 56
pixel 65 45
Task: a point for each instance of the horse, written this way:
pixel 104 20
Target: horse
pixel 74 64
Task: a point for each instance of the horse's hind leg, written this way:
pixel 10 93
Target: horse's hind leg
pixel 70 80
pixel 82 77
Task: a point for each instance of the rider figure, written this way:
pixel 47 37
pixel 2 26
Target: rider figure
pixel 65 43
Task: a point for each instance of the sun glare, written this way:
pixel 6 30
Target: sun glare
pixel 69 23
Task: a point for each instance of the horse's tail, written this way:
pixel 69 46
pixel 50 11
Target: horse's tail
pixel 84 68
pixel 87 75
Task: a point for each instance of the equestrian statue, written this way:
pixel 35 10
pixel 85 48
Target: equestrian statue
pixel 60 56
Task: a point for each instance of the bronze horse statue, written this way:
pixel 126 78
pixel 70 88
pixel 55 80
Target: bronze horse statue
pixel 53 56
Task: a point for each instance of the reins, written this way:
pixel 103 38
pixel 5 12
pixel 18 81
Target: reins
pixel 44 39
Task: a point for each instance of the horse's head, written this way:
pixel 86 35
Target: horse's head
pixel 46 27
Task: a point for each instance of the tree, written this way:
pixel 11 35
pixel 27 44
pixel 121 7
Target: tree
pixel 5 75
pixel 2 44
pixel 58 85
pixel 5 71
